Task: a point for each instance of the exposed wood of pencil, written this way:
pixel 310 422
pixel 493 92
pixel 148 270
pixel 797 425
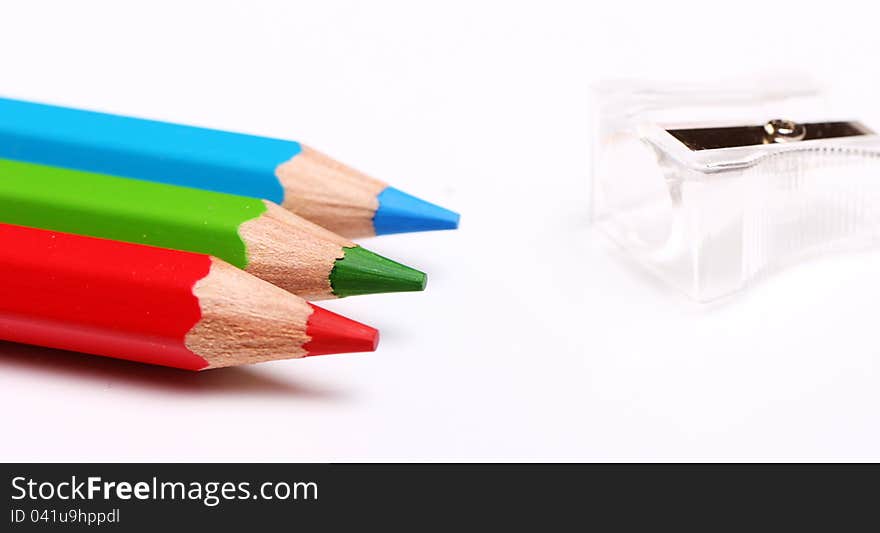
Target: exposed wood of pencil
pixel 292 252
pixel 329 193
pixel 246 320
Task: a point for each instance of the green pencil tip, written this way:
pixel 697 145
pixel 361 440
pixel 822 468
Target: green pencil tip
pixel 361 271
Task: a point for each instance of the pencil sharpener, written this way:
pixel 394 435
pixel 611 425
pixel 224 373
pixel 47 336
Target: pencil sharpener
pixel 711 188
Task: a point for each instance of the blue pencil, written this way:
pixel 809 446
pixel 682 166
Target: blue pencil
pixel 288 173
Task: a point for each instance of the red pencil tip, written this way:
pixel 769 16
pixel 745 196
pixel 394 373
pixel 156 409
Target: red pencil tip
pixel 332 333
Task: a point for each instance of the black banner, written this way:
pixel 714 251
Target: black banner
pixel 265 497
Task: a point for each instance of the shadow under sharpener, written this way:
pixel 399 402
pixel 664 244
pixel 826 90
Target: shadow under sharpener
pixel 710 189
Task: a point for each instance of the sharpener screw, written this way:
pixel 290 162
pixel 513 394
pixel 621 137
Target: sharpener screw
pixel 782 131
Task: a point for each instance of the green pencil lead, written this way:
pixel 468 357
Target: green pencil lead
pixel 364 272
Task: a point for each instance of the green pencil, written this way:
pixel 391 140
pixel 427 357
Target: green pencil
pixel 255 235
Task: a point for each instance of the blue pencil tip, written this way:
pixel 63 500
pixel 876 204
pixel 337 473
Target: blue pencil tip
pixel 399 212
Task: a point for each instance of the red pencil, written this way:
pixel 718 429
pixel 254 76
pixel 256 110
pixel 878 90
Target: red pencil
pixel 157 306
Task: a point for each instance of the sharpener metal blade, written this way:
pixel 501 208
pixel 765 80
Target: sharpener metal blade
pixel 774 131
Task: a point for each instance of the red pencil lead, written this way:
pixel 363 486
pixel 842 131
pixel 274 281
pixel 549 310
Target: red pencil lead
pixel 332 333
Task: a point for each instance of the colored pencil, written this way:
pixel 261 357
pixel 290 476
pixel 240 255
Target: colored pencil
pixel 288 173
pixel 256 235
pixel 158 306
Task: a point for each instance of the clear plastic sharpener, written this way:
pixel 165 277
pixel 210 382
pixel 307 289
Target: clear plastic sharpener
pixel 710 188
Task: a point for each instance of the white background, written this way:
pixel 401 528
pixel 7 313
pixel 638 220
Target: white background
pixel 532 342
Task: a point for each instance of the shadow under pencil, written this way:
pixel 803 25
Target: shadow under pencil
pixel 103 370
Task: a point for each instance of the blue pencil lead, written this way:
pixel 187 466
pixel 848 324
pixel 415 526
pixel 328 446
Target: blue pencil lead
pixel 400 212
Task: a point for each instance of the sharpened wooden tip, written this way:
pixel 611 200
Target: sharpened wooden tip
pixel 316 264
pixel 247 320
pixel 351 203
pixel 291 252
pixel 329 193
